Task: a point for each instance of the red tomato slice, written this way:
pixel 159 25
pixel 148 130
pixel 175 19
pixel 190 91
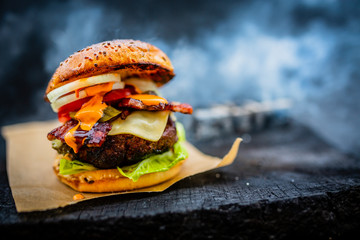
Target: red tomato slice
pixel 117 94
pixel 73 106
pixel 63 113
pixel 63 117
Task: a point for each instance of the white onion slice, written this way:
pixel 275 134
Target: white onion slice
pixel 143 84
pixel 82 94
pixel 81 83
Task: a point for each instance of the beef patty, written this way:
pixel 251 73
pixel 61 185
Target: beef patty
pixel 123 149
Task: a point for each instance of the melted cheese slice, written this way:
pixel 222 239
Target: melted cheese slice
pixel 143 124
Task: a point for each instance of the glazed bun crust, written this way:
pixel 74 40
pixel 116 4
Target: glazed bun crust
pixel 130 58
pixel 110 180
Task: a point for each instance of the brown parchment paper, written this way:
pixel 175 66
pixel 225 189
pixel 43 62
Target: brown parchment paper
pixel 35 187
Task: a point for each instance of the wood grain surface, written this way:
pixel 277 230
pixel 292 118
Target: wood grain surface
pixel 286 182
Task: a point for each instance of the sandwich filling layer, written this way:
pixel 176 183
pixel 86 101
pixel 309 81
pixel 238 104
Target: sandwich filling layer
pixel 113 123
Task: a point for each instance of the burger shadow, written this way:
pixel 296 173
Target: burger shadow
pixel 138 204
pixel 251 169
pixel 122 205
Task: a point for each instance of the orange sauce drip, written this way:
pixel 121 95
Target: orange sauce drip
pixel 78 196
pixel 77 93
pixel 98 89
pixel 148 99
pixel 89 113
pixel 70 139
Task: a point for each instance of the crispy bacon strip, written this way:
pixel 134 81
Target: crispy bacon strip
pixel 139 105
pixel 93 138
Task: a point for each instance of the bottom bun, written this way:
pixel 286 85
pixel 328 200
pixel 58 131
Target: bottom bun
pixel 110 180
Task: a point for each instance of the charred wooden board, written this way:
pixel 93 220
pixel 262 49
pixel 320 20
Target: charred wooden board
pixel 285 183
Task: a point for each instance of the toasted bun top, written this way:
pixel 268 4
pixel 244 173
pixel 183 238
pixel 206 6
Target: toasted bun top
pixel 131 58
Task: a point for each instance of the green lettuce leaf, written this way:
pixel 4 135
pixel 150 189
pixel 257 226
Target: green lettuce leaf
pixel 68 167
pixel 160 162
pixel 152 164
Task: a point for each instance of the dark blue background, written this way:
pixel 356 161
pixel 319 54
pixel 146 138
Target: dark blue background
pixel 223 51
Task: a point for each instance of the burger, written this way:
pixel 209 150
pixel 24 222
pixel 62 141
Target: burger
pixel 118 133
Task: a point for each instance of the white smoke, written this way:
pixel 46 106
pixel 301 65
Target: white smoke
pixel 254 50
pixel 82 27
pixel 250 54
pixel 317 69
